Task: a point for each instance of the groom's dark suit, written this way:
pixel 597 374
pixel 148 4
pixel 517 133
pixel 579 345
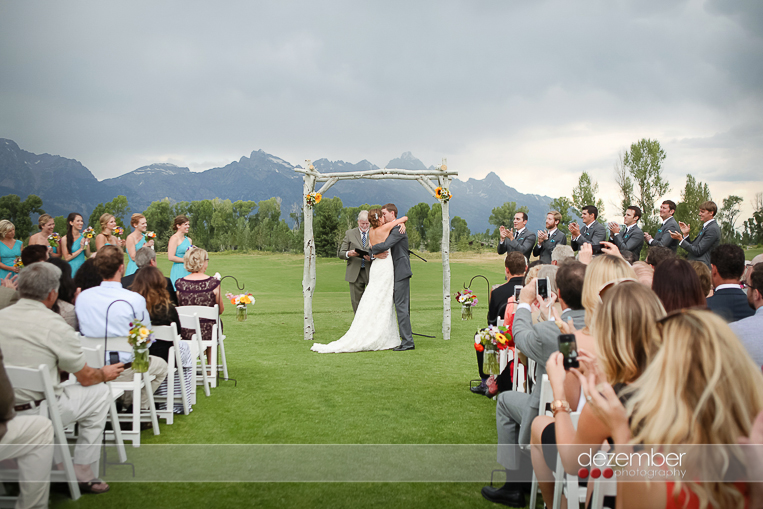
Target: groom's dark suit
pixel 397 243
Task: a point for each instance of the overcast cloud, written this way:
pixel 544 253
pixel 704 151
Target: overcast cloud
pixel 526 89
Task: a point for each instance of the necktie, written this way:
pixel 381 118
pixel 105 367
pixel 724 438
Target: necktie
pixel 363 241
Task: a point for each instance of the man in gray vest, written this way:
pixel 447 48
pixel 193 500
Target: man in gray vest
pixel 592 232
pixel 520 239
pixel 708 237
pixel 549 238
pixel 669 224
pixel 358 266
pixel 632 238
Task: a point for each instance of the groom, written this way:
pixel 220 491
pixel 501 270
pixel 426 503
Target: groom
pixel 397 243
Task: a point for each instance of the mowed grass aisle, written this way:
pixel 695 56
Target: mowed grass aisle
pixel 287 394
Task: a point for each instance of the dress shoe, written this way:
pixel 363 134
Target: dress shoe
pixel 402 348
pixel 511 498
pixel 479 389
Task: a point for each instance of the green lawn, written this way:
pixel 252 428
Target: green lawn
pixel 287 394
pixel 749 254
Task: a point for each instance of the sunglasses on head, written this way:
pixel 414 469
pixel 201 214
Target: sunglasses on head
pixel 609 284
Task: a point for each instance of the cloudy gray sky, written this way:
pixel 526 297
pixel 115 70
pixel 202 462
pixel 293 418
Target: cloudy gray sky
pixel 534 91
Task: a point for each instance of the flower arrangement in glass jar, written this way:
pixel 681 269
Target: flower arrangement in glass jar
pixel 491 340
pixel 140 338
pixel 313 199
pixel 240 301
pixel 54 239
pixel 468 300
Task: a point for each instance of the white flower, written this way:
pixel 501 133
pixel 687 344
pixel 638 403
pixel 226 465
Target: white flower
pixel 217 276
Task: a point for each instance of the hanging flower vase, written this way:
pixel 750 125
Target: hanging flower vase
pixel 140 363
pixel 491 364
pixel 241 313
pixel 466 312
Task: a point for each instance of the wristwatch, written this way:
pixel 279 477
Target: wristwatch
pixel 560 404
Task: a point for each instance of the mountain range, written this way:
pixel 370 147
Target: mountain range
pixel 65 185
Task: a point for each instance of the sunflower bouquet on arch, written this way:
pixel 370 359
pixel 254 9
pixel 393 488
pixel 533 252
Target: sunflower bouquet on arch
pixel 490 341
pixel 313 199
pixel 443 194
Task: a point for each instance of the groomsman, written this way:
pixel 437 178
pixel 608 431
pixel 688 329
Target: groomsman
pixel 591 233
pixel 708 237
pixel 669 224
pixel 523 240
pixel 549 238
pixel 632 238
pixel 358 267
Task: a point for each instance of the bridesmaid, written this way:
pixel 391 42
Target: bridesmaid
pixel 179 244
pixel 107 237
pixel 47 225
pixel 10 249
pixel 75 248
pixel 136 240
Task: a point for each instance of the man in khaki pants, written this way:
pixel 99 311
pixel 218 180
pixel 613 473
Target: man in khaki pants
pixel 357 266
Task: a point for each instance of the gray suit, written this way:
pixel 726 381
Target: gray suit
pixel 594 235
pixel 750 333
pixel 397 243
pixel 632 240
pixel 357 268
pixel 544 249
pixel 703 243
pixel 662 236
pixel 8 297
pixel 516 410
pixel 523 242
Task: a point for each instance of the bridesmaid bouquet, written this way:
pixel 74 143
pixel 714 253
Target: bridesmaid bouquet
pixel 118 231
pixel 54 239
pixel 17 263
pixel 88 233
pixel 150 235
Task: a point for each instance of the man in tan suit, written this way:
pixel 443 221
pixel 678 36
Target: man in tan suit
pixel 357 266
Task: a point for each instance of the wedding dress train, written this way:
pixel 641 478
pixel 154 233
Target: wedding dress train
pixel 375 324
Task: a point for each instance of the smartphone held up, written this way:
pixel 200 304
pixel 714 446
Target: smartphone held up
pixel 569 348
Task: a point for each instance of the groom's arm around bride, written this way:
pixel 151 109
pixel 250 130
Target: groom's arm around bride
pixel 357 267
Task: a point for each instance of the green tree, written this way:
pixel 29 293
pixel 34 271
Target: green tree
pixel 564 206
pixel 417 215
pixel 159 216
pixel 727 218
pixel 433 228
pixel 459 230
pixel 118 207
pixel 753 229
pixel 644 163
pixel 200 215
pixel 18 212
pixel 692 196
pixel 328 234
pixel 504 216
pixel 585 194
pixel 624 183
pixel 61 225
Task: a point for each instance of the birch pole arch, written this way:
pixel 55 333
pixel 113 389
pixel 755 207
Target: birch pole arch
pixel 429 179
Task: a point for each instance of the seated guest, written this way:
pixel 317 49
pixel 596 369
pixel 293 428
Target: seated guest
pixel 532 272
pixel 644 273
pixel 657 254
pixel 627 339
pixel 46 224
pixel 33 254
pixel 543 313
pixel 516 410
pixel 700 389
pixel 146 257
pixel 515 267
pixel 29 440
pixel 198 289
pixel 8 293
pixel 628 256
pixel 750 330
pixel 705 277
pixel 729 300
pixel 34 335
pixel 87 276
pixel 152 285
pixel 561 253
pixel 94 304
pixel 67 292
pixel 677 285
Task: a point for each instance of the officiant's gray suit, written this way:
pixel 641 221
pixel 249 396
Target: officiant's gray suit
pixel 397 243
pixel 357 268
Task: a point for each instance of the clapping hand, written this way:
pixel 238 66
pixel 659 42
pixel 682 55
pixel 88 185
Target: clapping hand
pixel 685 228
pixel 9 282
pixel 542 236
pixel 648 237
pixel 614 227
pixel 503 232
pixel 574 229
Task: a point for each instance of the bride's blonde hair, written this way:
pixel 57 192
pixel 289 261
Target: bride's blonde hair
pixel 701 388
pixel 375 218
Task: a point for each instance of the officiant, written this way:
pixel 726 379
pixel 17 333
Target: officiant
pixel 357 266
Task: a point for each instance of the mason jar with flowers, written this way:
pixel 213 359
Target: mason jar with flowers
pixel 468 300
pixel 240 301
pixel 140 338
pixel 491 340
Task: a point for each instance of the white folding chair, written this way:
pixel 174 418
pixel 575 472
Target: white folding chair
pixel 217 339
pixel 140 382
pixel 191 321
pixel 94 359
pixel 38 380
pixel 567 484
pixel 518 381
pixel 546 397
pixel 174 366
pixel 603 487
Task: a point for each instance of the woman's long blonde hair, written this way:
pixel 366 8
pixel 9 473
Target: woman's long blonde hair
pixel 601 270
pixel 701 388
pixel 626 331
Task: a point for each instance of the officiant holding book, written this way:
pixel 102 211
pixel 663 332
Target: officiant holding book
pixel 354 250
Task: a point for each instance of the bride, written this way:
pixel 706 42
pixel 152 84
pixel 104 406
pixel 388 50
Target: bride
pixel 375 324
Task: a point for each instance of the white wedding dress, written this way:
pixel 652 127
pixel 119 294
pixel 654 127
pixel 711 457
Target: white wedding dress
pixel 375 324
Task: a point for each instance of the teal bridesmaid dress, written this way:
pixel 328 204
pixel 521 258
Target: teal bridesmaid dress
pixel 178 269
pixel 8 256
pixel 76 262
pixel 131 266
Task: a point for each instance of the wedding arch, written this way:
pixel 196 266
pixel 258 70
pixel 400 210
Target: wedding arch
pixel 427 178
